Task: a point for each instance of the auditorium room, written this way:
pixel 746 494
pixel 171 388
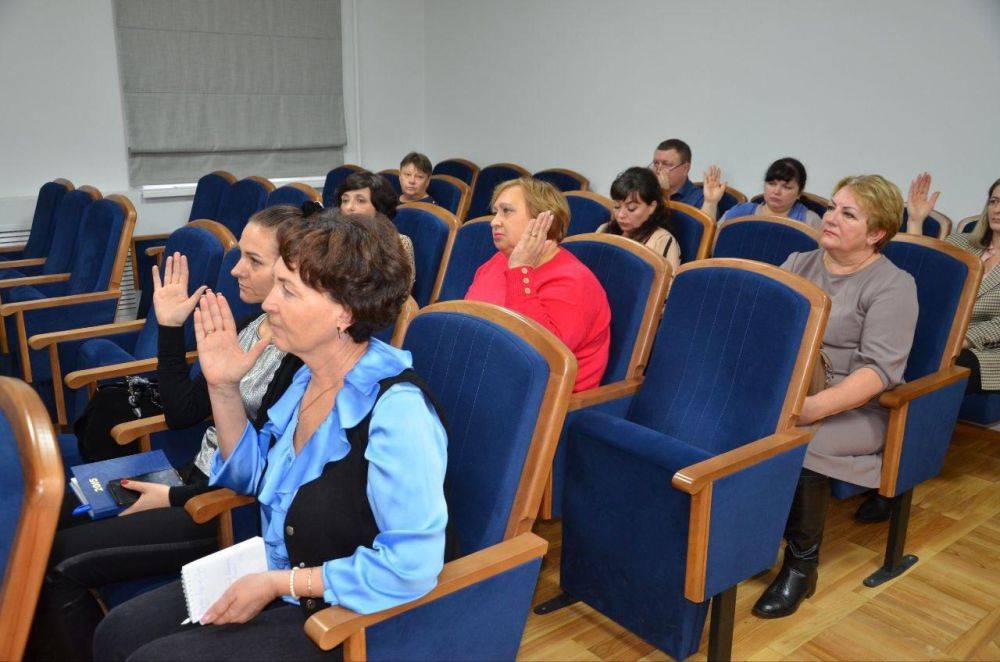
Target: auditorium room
pixel 623 330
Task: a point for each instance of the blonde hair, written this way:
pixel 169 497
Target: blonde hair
pixel 541 196
pixel 880 199
pixel 981 233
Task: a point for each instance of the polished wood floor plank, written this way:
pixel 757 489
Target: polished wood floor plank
pixel 947 607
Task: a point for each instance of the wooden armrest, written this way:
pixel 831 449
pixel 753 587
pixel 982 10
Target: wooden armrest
pixel 159 236
pixel 43 340
pixel 33 280
pixel 12 249
pixel 79 378
pixel 330 627
pixel 25 262
pixel 153 251
pixel 126 433
pixel 56 302
pixel 696 477
pixel 206 507
pixel 904 393
pixel 606 393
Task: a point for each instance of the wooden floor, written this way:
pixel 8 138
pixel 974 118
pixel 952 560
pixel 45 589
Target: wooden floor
pixel 946 607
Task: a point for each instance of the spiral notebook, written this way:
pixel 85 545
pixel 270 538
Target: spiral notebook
pixel 206 579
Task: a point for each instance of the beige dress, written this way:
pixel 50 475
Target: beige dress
pixel 873 315
pixel 662 243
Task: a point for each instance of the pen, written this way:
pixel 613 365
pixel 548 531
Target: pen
pixel 186 621
pixel 81 509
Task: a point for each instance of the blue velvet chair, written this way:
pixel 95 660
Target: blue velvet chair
pixel 461 169
pixel 730 198
pixel 487 180
pixel 40 235
pixel 334 179
pixel 95 353
pixel 587 211
pixel 564 179
pixel 936 224
pixel 694 231
pixel 31 488
pixel 393 334
pixel 967 224
pixel 679 489
pixel 391 175
pixel 814 203
pixel 763 238
pixel 64 229
pixel 87 294
pixel 503 382
pixel 635 280
pixel 451 193
pixel 923 411
pixel 472 247
pixel 432 230
pixel 295 194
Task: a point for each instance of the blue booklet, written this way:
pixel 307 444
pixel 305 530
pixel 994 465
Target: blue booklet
pixel 98 484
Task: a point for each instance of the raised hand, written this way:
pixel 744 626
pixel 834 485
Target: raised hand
pixel 170 299
pixel 223 361
pixel 712 185
pixel 918 204
pixel 534 244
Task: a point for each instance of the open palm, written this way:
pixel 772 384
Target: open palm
pixel 222 359
pixel 919 204
pixel 713 187
pixel 170 298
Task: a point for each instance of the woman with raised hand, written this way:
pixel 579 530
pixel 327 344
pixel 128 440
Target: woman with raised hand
pixel 348 470
pixel 155 535
pixel 641 214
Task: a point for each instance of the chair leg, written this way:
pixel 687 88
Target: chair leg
pixel 720 633
pixel 555 604
pixel 896 563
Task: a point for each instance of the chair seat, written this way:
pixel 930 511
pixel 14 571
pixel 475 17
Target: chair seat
pixel 843 490
pixel 980 408
pixel 100 352
pixel 120 592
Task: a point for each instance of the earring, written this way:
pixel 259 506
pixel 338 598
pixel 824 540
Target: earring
pixel 338 333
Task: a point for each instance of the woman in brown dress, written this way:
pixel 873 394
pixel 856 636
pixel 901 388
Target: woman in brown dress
pixel 867 342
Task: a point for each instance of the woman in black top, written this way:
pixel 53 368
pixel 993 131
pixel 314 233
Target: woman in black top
pixel 156 536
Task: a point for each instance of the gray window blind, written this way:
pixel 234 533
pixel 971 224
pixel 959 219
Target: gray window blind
pixel 249 86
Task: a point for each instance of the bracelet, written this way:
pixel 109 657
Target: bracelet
pixel 309 582
pixel 291 583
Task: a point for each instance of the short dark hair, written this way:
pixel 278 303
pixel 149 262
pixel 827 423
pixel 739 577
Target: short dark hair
pixel 422 163
pixel 384 197
pixel 643 183
pixel 787 169
pixel 678 146
pixel 357 260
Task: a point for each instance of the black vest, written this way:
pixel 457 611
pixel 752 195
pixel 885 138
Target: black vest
pixel 330 517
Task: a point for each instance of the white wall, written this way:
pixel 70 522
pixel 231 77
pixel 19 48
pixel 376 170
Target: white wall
pixel 893 87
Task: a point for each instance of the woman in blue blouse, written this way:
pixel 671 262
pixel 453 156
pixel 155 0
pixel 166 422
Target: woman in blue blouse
pixel 784 182
pixel 348 471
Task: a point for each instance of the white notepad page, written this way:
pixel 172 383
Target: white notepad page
pixel 206 579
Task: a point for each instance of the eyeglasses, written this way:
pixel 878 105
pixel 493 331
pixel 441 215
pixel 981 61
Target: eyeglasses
pixel 658 166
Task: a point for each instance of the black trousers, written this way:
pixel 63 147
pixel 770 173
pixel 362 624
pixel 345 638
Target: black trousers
pixel 968 360
pixel 148 628
pixel 93 554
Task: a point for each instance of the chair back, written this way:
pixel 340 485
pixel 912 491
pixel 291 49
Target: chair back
pixel 432 230
pixel 241 201
pixel 936 224
pixel 763 238
pixel 65 228
pixel 31 489
pixel 294 194
pixel 227 285
pixel 391 175
pixel 461 169
pixel 451 193
pixel 204 251
pixel 947 280
pixel 635 280
pixel 587 211
pixel 564 179
pixel 40 235
pixel 694 231
pixel 472 247
pixel 393 334
pixel 208 194
pixel 733 355
pixel 334 179
pixel 102 246
pixel 503 382
pixel 967 224
pixel 487 180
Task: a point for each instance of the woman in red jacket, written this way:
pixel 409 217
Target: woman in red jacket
pixel 532 275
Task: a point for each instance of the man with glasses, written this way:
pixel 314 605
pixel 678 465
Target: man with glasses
pixel 672 164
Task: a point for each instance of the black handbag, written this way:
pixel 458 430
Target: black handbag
pixel 114 403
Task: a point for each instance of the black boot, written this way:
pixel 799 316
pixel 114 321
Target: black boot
pixel 876 508
pixel 796 580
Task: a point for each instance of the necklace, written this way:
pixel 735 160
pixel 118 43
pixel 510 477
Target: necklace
pixel 827 261
pixel 337 383
pixel 350 358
